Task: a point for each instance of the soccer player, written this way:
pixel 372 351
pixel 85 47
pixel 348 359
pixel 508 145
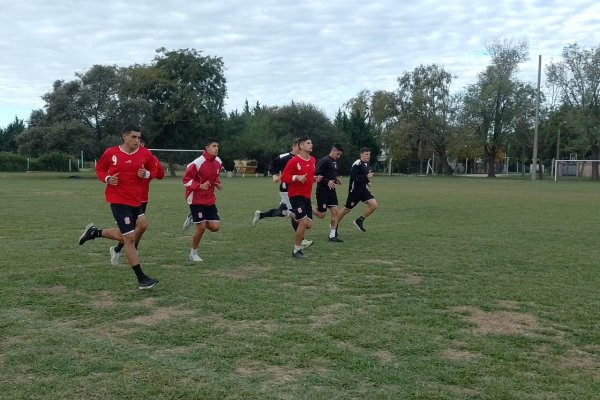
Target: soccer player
pixel 327 168
pixel 124 169
pixel 299 175
pixel 285 207
pixel 115 251
pixel 200 180
pixel 358 190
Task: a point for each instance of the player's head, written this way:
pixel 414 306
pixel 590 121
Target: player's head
pixel 131 136
pixel 211 146
pixel 365 154
pixel 336 151
pixel 305 144
pixel 295 144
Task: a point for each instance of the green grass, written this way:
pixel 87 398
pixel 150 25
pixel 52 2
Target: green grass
pixel 462 288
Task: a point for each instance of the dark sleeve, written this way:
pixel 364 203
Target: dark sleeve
pixel 321 168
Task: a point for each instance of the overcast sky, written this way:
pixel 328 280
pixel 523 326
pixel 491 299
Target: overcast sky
pixel 321 52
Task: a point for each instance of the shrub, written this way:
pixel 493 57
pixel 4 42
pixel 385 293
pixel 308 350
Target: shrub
pixel 54 161
pixel 11 162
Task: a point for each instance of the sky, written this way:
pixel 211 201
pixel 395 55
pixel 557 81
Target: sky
pixel 275 51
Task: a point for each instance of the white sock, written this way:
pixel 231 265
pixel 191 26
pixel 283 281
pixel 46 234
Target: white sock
pixel 331 233
pixel 194 252
pixel 297 248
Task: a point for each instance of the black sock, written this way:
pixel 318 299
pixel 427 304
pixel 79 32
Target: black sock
pixel 96 233
pixel 138 272
pixel 361 218
pixel 119 247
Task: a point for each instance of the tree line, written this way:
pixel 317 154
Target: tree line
pixel 178 99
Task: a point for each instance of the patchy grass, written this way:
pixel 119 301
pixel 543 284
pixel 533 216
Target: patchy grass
pixel 462 288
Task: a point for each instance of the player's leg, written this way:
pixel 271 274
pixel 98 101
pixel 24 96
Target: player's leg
pixel 371 203
pixel 126 218
pixel 303 215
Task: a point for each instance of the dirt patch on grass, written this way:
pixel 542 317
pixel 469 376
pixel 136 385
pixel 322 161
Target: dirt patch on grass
pixel 104 300
pixel 384 356
pixel 273 374
pixel 580 360
pixel 413 279
pixel 58 289
pixel 158 314
pixel 507 304
pixel 327 315
pixel 498 322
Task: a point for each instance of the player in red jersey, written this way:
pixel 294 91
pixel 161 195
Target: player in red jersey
pixel 200 180
pixel 124 168
pixel 299 175
pixel 115 252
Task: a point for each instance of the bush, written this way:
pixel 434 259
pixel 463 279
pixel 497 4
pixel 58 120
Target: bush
pixel 10 162
pixel 55 161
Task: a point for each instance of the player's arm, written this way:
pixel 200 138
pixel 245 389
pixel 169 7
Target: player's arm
pixel 102 167
pixel 160 171
pixel 287 175
pixel 189 177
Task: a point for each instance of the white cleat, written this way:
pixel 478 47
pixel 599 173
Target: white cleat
pixel 114 256
pixel 194 257
pixel 306 243
pixel 188 222
pixel 256 217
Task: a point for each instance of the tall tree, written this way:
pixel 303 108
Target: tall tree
pixel 489 104
pixel 8 135
pixel 578 78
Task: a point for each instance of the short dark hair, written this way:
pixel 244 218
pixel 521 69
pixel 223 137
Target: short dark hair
pixel 130 128
pixel 364 150
pixel 303 139
pixel 337 146
pixel 296 141
pixel 209 141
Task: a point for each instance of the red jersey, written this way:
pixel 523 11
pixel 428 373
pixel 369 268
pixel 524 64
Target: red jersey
pixel 202 169
pixel 160 173
pixel 299 166
pixel 116 161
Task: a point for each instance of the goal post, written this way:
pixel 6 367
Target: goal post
pixel 175 159
pixel 575 169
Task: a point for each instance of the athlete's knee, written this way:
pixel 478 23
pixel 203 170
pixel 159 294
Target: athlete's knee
pixel 213 227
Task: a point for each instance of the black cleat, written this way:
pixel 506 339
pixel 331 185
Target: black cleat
pixel 87 234
pixel 298 255
pixel 359 224
pixel 335 239
pixel 147 283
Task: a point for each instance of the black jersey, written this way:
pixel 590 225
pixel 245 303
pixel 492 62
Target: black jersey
pixel 358 177
pixel 278 165
pixel 328 168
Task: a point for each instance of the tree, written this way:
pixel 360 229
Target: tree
pixel 489 104
pixel 428 108
pixel 577 77
pixel 8 135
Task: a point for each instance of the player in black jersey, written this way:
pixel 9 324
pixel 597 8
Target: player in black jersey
pixel 327 167
pixel 358 190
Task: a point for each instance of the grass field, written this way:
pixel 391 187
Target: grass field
pixel 462 288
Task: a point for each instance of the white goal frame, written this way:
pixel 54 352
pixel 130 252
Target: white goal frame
pixel 576 162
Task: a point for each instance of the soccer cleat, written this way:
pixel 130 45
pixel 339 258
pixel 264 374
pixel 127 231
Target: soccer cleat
pixel 359 225
pixel 147 283
pixel 87 233
pixel 335 239
pixel 298 255
pixel 306 243
pixel 256 217
pixel 114 256
pixel 194 257
pixel 188 222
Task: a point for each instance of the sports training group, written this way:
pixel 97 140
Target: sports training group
pixel 128 168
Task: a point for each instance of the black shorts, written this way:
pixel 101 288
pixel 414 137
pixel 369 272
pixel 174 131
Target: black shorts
pixel 356 197
pixel 143 206
pixel 326 199
pixel 202 213
pixel 301 207
pixel 126 217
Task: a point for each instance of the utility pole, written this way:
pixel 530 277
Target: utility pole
pixel 534 162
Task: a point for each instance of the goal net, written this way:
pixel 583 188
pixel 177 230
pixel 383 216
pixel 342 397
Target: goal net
pixel 174 160
pixel 575 169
